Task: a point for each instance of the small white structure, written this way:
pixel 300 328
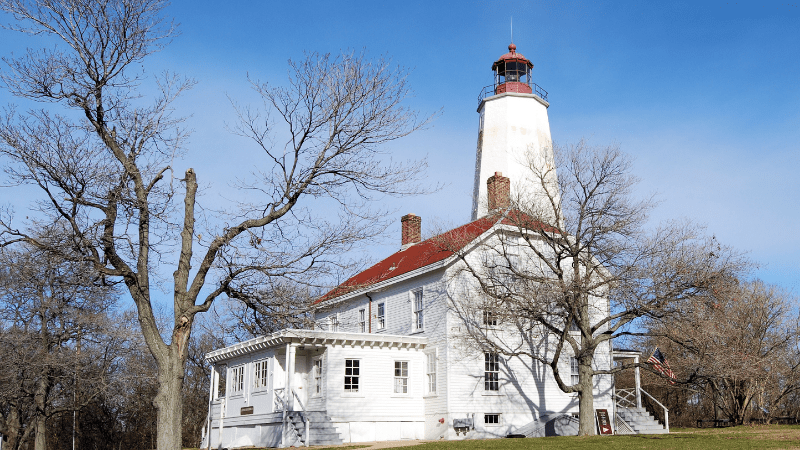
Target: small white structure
pixel 387 359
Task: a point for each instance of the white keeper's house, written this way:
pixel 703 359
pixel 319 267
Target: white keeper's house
pixel 386 358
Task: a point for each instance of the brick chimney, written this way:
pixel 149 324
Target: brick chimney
pixel 499 189
pixel 412 230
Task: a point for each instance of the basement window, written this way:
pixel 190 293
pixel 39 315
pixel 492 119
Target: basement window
pixel 491 419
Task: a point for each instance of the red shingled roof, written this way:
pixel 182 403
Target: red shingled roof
pixel 423 254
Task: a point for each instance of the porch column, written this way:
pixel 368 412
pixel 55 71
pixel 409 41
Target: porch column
pixel 638 384
pixel 214 394
pixel 291 350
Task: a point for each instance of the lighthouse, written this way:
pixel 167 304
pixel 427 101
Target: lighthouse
pixel 514 138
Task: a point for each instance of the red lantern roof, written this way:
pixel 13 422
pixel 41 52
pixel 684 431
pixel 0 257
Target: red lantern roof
pixel 512 55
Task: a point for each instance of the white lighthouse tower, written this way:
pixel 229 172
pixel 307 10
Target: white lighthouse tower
pixel 514 137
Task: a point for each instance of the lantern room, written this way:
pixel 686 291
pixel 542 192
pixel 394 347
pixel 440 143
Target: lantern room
pixel 512 72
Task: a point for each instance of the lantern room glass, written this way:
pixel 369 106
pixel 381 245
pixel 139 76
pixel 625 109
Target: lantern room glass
pixel 512 71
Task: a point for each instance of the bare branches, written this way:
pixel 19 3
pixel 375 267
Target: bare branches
pixel 740 343
pixel 573 265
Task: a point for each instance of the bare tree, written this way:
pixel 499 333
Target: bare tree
pixel 738 348
pixel 48 307
pixel 101 158
pixel 575 265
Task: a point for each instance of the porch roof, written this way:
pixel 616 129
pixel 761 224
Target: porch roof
pixel 315 338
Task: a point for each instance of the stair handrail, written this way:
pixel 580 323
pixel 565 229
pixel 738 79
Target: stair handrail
pixel 666 411
pixel 306 419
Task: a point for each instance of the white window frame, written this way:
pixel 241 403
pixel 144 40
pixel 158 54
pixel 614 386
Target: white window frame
pixel 492 419
pixel 491 372
pixel 381 316
pixel 431 361
pixel 401 377
pixel 333 322
pixel 417 310
pixel 237 380
pixel 261 378
pixel 490 312
pixel 574 370
pixel 318 365
pixel 362 320
pixel 353 378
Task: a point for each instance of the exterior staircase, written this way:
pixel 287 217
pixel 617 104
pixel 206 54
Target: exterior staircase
pixel 321 427
pixel 640 421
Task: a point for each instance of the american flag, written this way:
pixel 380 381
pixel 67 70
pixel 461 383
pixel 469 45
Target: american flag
pixel 660 363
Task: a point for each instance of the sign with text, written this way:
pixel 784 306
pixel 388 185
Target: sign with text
pixel 604 421
pixel 246 410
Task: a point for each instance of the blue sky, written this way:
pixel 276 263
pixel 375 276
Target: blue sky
pixel 704 95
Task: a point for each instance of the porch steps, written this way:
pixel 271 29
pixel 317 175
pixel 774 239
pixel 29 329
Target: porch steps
pixel 322 430
pixel 640 421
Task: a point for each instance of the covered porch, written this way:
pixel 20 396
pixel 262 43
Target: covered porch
pixel 276 391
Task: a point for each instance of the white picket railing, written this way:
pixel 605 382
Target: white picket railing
pixel 281 403
pixel 626 398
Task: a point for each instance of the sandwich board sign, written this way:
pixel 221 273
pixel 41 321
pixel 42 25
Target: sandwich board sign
pixel 603 421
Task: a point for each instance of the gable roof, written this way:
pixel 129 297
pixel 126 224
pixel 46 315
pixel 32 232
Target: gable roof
pixel 427 252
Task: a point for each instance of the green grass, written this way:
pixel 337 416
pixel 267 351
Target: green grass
pixel 744 437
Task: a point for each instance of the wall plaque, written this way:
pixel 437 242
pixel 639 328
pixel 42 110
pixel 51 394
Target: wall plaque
pixel 246 410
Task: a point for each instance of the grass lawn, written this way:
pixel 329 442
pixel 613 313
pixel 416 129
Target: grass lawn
pixel 744 437
pixel 733 438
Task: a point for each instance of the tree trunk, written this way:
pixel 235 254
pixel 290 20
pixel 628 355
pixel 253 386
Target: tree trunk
pixel 40 400
pixel 169 401
pixel 40 439
pixel 12 429
pixel 586 397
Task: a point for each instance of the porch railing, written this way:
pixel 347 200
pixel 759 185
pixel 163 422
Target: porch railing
pixel 627 398
pixel 306 419
pixel 281 403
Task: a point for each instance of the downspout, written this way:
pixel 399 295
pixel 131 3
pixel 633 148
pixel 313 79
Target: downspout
pixel 370 311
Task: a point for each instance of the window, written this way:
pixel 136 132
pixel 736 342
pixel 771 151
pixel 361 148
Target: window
pixel 430 372
pixel 490 312
pixel 362 320
pixel 261 378
pixel 381 316
pixel 333 322
pixel 574 370
pixel 573 326
pixel 417 309
pixel 237 380
pixel 401 377
pixel 491 374
pixel 513 265
pixel 318 376
pixel 351 374
pixel 491 419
